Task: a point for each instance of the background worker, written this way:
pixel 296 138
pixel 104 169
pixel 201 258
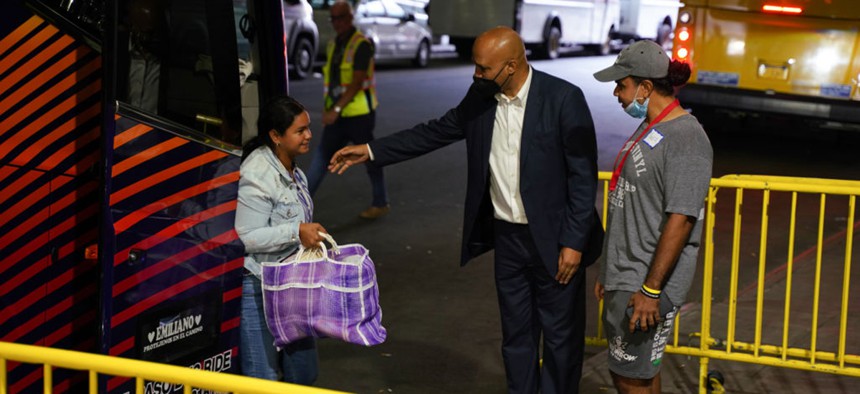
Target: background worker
pixel 350 104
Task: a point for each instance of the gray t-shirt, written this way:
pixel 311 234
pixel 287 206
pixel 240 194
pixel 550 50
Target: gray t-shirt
pixel 668 171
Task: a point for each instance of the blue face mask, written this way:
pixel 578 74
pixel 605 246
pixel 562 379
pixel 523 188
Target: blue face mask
pixel 636 109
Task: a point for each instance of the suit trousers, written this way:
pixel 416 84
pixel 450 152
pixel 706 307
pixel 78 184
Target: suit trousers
pixel 532 303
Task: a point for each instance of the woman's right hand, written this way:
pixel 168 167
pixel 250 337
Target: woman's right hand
pixel 309 234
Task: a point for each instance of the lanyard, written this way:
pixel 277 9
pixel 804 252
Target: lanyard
pixel 619 165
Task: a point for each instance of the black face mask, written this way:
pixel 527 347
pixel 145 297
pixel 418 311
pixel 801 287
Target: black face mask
pixel 488 87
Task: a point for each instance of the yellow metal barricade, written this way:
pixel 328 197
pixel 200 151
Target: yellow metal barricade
pixel 787 336
pixel 141 371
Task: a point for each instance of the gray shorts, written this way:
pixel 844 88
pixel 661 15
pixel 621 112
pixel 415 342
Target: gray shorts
pixel 637 355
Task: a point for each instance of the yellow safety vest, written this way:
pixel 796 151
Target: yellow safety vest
pixel 365 99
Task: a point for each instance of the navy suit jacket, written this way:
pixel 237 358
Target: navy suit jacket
pixel 558 167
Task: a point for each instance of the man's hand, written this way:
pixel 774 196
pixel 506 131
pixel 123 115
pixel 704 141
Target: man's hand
pixel 568 264
pixel 309 234
pixel 598 290
pixel 347 157
pixel 329 117
pixel 646 311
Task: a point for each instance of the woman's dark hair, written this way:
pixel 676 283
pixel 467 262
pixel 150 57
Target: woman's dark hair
pixel 277 114
pixel 679 74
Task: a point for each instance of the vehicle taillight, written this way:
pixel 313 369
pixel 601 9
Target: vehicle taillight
pixel 781 9
pixel 682 45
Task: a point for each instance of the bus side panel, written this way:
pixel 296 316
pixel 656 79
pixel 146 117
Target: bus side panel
pixel 175 285
pixel 781 63
pixel 814 59
pixel 50 115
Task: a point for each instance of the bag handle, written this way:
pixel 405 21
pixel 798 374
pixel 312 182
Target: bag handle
pixel 316 253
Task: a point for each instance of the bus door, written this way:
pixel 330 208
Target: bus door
pixel 189 78
pixel 51 96
pixel 122 127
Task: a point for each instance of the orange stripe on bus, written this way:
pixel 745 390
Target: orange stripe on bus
pixel 19 33
pixel 133 218
pixel 174 260
pixel 63 153
pixel 25 180
pixel 71 125
pixel 130 134
pixel 5 171
pixel 23 276
pixel 35 83
pixel 37 59
pixel 40 217
pixel 180 226
pixel 165 175
pixel 36 105
pixel 55 283
pixel 27 48
pixel 147 155
pixel 166 294
pixel 48 117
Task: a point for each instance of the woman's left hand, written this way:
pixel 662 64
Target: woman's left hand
pixel 309 234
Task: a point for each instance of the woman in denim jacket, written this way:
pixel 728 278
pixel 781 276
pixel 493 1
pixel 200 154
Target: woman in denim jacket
pixel 273 215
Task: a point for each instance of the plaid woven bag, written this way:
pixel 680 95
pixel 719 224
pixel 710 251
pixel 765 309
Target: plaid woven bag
pixel 324 293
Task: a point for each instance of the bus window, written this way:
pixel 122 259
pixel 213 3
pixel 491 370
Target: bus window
pixel 179 60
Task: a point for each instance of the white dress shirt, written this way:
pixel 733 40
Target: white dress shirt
pixel 505 156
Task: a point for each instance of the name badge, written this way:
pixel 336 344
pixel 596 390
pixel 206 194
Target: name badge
pixel 653 138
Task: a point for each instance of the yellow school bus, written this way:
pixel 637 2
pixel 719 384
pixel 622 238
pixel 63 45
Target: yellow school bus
pixel 797 57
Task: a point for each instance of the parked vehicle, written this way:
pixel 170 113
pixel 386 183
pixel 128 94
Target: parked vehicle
pixel 648 19
pixel 302 37
pixel 396 33
pixel 545 26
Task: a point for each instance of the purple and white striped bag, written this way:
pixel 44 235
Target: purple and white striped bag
pixel 323 293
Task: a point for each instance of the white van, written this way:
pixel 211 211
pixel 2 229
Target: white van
pixel 545 25
pixel 648 19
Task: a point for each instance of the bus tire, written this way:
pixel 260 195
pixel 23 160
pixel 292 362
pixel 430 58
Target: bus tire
pixel 552 43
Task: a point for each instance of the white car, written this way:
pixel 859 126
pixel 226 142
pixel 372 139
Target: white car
pixel 303 37
pixel 397 34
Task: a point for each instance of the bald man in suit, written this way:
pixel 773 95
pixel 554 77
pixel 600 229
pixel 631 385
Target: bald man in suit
pixel 532 181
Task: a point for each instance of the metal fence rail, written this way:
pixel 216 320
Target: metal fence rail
pixel 776 343
pixel 141 371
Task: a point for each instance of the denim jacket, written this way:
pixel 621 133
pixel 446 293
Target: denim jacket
pixel 270 208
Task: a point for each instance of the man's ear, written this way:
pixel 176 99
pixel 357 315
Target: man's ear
pixel 648 85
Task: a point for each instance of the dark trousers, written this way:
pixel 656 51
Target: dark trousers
pixel 533 303
pixel 355 129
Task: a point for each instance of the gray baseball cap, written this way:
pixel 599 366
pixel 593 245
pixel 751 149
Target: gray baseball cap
pixel 643 59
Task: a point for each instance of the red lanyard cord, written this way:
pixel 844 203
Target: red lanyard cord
pixel 619 165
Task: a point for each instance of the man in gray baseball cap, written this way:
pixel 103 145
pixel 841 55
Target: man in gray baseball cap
pixel 643 59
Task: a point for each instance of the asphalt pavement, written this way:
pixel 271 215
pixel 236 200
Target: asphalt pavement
pixel 442 320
